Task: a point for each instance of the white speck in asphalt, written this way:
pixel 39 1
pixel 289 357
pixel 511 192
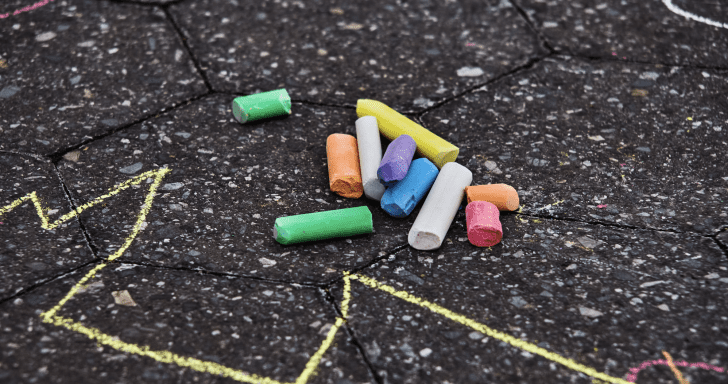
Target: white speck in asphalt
pixel 589 312
pixel 45 36
pixel 470 72
pixel 267 263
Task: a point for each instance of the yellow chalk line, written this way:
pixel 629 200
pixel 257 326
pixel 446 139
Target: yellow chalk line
pixel 160 356
pixel 141 217
pixel 675 371
pixel 113 342
pixel 347 295
pixel 516 342
pixel 326 344
pixel 218 369
pixel 31 196
pixel 316 358
pixel 116 190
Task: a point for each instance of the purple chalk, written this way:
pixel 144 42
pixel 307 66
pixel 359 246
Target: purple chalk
pixel 396 160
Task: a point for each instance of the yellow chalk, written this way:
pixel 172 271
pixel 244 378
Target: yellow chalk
pixel 214 368
pixel 484 329
pixel 160 356
pixel 393 124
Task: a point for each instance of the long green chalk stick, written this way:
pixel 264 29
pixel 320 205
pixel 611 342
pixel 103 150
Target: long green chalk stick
pixel 323 225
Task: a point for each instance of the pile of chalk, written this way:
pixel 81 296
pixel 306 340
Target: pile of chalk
pixel 357 167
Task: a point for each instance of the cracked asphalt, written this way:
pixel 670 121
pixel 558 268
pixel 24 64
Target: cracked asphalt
pixel 609 117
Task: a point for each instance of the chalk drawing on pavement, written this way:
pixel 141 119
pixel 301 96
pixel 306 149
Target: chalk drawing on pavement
pixel 674 8
pixel 25 9
pixel 633 372
pixel 51 316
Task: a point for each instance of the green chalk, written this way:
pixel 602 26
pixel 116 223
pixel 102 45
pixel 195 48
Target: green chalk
pixel 262 105
pixel 323 225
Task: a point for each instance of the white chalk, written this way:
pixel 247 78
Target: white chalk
pixel 686 14
pixel 440 207
pixel 370 155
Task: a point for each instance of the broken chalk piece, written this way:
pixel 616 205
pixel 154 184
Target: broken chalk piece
pixel 261 106
pixel 342 155
pixel 323 225
pixel 401 199
pixel 503 196
pixel 123 298
pixel 440 207
pixel 370 155
pixel 483 223
pixel 392 124
pixel 396 160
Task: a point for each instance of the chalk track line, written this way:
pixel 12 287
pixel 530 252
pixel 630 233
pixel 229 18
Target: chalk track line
pixel 674 8
pixel 25 9
pixel 214 368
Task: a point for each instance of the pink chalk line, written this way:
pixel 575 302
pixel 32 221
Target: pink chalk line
pixel 26 9
pixel 632 377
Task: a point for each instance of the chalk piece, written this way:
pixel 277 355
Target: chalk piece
pixel 370 156
pixel 342 155
pixel 396 160
pixel 393 124
pixel 262 106
pixel 123 298
pixel 484 226
pixel 503 196
pixel 401 199
pixel 323 225
pixel 440 207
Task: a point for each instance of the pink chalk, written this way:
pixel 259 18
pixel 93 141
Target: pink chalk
pixel 26 9
pixel 632 376
pixel 484 226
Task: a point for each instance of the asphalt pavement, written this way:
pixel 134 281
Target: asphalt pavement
pixel 136 214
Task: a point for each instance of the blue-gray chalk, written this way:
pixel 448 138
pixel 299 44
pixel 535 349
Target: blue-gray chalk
pixel 401 199
pixel 396 160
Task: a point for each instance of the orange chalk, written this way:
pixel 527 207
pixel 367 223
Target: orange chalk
pixel 342 154
pixel 503 196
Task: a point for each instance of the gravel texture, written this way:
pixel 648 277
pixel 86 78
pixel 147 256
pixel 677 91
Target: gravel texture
pixel 607 304
pixel 608 117
pixel 76 71
pixel 637 145
pixel 642 31
pixel 29 254
pixel 227 186
pixel 409 55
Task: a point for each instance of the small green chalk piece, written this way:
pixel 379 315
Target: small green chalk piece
pixel 262 105
pixel 323 225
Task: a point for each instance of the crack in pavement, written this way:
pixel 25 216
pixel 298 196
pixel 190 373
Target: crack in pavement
pixel 538 33
pixel 72 204
pixel 183 39
pixel 25 290
pixel 607 59
pixel 528 65
pixel 615 225
pixel 219 274
pixel 344 106
pixel 370 264
pixel 611 59
pixel 56 156
pixel 350 332
pixel 34 156
pixel 723 247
